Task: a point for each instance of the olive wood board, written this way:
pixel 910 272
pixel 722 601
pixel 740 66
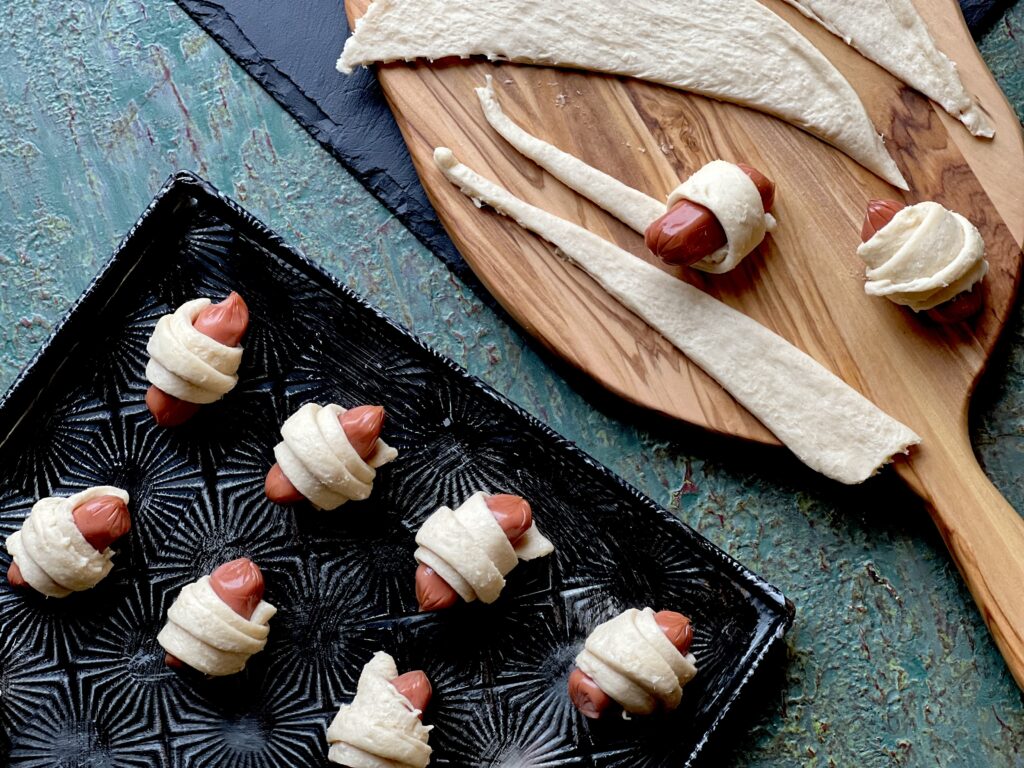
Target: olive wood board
pixel 805 283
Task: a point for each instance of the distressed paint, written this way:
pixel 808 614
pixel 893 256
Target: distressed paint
pixel 888 664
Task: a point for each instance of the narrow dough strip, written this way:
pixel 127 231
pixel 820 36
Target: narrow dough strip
pixel 630 206
pixel 733 50
pixel 827 424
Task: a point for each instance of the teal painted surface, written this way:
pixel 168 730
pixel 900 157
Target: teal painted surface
pixel 889 662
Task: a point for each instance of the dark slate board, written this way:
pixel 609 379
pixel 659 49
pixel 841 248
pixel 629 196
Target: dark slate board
pixel 291 46
pixel 82 680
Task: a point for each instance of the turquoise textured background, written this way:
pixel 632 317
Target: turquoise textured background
pixel 889 662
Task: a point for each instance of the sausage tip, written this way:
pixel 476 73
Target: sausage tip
pixel 240 585
pixel 279 488
pixel 879 213
pixel 586 696
pixel 167 410
pixel 513 514
pixel 432 592
pixel 362 426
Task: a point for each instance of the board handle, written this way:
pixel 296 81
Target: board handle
pixel 983 532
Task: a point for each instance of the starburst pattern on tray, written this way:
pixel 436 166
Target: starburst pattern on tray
pixel 73 730
pixel 82 679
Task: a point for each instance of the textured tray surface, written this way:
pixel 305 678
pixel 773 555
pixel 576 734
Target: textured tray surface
pixel 82 680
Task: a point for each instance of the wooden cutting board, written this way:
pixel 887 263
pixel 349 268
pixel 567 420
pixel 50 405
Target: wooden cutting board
pixel 806 283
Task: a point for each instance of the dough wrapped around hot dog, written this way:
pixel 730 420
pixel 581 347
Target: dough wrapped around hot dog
pixel 318 458
pixel 52 553
pixel 209 635
pixel 924 256
pixel 732 196
pixel 380 728
pixel 634 662
pixel 469 549
pixel 188 364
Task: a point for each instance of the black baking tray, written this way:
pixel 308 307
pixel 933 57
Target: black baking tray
pixel 82 681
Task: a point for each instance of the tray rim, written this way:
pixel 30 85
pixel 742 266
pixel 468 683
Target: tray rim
pixel 185 187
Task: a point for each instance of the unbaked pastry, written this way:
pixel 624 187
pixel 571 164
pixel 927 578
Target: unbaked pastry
pixel 188 364
pixel 632 661
pixel 924 257
pixel 53 555
pixel 380 728
pixel 893 35
pixel 469 550
pixel 828 425
pixel 206 634
pixel 734 50
pixel 318 459
pixel 719 186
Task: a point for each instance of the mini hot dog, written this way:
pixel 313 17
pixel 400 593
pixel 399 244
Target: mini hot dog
pixel 588 697
pixel 690 232
pixel 515 517
pixel 362 427
pixel 960 307
pixel 102 520
pixel 240 586
pixel 225 323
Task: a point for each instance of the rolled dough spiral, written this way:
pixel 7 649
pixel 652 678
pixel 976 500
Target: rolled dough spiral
pixel 469 550
pixel 205 633
pixel 631 659
pixel 318 459
pixel 188 364
pixel 380 728
pixel 53 555
pixel 925 256
pixel 725 190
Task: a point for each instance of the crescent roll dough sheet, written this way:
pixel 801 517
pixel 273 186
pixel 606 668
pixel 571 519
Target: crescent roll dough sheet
pixel 469 550
pixel 721 187
pixel 53 555
pixel 733 50
pixel 205 633
pixel 828 425
pixel 925 256
pixel 188 364
pixel 380 728
pixel 893 35
pixel 632 661
pixel 318 459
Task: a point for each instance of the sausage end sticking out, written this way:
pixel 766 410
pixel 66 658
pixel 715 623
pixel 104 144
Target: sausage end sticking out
pixel 279 489
pixel 168 410
pixel 103 521
pixel 240 585
pixel 513 514
pixel 226 323
pixel 362 427
pixel 415 686
pixel 689 232
pixel 879 213
pixel 15 578
pixel 958 309
pixel 432 592
pixel 588 697
pixel 677 629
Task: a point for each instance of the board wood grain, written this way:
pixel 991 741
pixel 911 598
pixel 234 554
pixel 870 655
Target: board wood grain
pixel 806 282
